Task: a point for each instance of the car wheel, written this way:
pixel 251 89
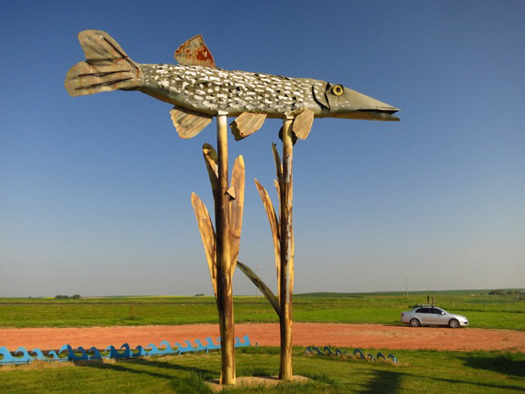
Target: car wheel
pixel 454 323
pixel 415 323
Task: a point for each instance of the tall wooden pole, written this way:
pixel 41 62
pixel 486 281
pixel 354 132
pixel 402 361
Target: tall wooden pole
pixel 223 239
pixel 287 253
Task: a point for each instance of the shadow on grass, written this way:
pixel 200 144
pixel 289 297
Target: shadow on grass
pixel 390 382
pixel 121 364
pixel 384 382
pixel 182 377
pixel 505 364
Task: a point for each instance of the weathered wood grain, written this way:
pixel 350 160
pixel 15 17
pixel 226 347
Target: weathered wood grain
pixel 263 288
pixel 236 210
pixel 274 226
pixel 207 236
pixel 287 253
pixel 188 123
pixel 223 242
pixel 246 123
pixel 212 166
pixel 302 124
pixel 278 163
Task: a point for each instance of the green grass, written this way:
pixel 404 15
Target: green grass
pixel 482 310
pixel 417 371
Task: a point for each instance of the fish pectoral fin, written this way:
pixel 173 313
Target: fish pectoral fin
pixel 302 124
pixel 188 123
pixel 194 52
pixel 246 123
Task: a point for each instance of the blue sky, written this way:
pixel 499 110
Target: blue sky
pixel 95 196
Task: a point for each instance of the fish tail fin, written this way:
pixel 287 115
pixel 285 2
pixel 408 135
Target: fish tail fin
pixel 107 67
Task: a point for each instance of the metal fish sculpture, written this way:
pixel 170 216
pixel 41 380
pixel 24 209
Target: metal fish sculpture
pixel 199 90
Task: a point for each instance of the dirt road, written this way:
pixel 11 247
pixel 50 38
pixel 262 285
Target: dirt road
pixel 305 334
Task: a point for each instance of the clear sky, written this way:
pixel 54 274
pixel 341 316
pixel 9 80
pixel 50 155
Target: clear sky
pixel 95 190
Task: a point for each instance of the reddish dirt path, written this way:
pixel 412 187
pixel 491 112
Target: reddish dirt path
pixel 349 335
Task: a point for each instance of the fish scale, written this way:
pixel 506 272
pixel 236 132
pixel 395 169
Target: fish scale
pixel 209 90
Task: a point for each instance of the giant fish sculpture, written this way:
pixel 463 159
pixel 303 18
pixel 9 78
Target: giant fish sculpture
pixel 199 90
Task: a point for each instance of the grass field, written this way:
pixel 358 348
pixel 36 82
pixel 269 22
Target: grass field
pixel 482 310
pixel 417 371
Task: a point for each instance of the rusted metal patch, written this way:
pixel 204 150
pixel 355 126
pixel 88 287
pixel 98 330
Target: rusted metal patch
pixel 194 52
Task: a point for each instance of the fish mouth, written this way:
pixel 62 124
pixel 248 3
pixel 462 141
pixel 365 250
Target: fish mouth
pixel 381 114
pixel 386 114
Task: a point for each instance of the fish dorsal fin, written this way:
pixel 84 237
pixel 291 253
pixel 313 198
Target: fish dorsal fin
pixel 188 123
pixel 246 123
pixel 194 52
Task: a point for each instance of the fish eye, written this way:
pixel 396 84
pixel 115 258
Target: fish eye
pixel 338 90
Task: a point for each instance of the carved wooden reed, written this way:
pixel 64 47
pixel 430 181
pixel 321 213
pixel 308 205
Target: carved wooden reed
pixel 281 226
pixel 222 247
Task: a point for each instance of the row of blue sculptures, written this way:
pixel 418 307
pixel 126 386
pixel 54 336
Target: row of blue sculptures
pixel 67 353
pixel 313 350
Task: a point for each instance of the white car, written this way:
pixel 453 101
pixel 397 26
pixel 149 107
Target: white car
pixel 427 315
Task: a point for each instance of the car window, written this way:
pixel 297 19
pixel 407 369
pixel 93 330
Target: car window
pixel 436 311
pixel 424 310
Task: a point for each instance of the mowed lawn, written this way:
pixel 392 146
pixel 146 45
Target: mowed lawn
pixel 417 370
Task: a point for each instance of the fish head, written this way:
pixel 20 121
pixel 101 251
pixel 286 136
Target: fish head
pixel 337 101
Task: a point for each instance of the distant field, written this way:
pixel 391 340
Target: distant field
pixel 483 310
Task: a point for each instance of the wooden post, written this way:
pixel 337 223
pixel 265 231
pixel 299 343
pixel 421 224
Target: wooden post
pixel 223 239
pixel 287 253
